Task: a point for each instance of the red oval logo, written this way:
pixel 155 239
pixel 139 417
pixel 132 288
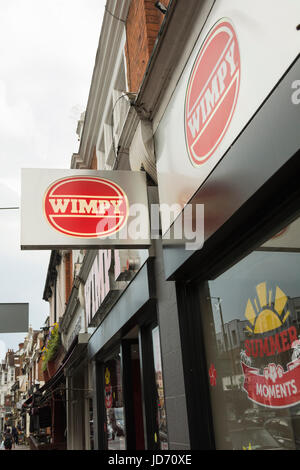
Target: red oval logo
pixel 88 207
pixel 212 92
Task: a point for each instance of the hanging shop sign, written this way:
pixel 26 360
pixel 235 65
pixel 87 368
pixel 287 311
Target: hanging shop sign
pixel 212 92
pixel 270 359
pixel 83 209
pixel 14 317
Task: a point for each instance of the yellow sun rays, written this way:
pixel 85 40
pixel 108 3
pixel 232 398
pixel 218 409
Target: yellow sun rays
pixel 261 314
pixel 248 448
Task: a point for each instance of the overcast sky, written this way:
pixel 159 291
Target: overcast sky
pixel 47 55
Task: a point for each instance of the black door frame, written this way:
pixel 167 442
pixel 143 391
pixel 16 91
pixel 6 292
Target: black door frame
pixel 145 319
pixel 149 386
pixel 127 383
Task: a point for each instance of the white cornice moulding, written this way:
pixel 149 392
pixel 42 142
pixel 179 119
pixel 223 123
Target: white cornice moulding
pixel 110 43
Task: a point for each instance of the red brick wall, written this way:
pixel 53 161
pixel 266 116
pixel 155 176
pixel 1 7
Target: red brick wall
pixel 143 23
pixel 40 371
pixel 94 164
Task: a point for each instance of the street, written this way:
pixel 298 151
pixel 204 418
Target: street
pixel 21 447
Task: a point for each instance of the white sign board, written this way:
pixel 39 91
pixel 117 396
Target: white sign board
pixel 14 317
pixel 84 209
pixel 253 44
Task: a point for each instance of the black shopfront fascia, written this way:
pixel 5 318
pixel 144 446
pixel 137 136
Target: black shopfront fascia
pixel 259 178
pixel 136 307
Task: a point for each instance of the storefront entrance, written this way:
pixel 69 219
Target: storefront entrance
pixel 134 416
pixel 251 333
pixel 124 428
pixel 247 360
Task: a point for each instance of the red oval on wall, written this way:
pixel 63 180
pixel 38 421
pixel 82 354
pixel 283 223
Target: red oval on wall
pixel 212 92
pixel 87 207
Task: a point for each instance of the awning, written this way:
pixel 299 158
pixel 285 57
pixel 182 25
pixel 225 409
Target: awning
pixel 71 356
pixel 59 374
pixel 27 402
pixel 51 382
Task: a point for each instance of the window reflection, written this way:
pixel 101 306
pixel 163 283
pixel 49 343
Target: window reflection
pixel 91 422
pixel 162 438
pixel 115 429
pixel 251 330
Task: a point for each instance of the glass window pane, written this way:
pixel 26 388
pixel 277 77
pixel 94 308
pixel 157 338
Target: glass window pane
pixel 115 428
pixel 91 423
pixel 161 410
pixel 251 334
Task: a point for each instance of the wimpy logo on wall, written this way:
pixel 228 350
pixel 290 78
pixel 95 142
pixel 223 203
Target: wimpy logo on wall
pixel 212 92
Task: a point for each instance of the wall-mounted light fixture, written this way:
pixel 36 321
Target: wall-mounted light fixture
pixel 161 7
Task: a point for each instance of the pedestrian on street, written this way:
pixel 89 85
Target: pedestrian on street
pixel 15 435
pixel 8 439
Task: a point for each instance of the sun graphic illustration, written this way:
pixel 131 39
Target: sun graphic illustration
pixel 248 448
pixel 266 312
pixel 107 376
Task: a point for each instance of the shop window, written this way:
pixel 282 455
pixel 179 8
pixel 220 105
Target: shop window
pixel 114 406
pixel 254 379
pixel 135 421
pixel 234 338
pixel 91 423
pixel 162 437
